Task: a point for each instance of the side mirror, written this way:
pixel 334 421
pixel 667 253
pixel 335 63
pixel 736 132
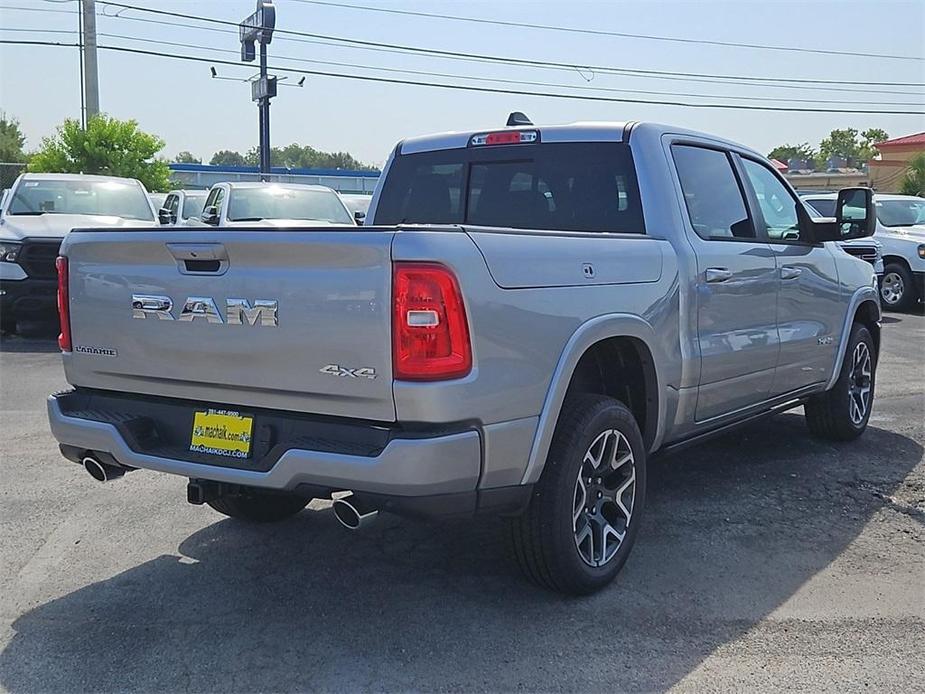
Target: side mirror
pixel 210 215
pixel 855 214
pixel 855 218
pixel 163 215
pixel 359 217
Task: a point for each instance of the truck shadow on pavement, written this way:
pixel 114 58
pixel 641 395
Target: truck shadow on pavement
pixel 38 345
pixel 734 528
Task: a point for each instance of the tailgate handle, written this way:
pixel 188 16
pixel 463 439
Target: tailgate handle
pixel 199 258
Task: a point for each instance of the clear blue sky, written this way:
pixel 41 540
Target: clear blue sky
pixel 179 102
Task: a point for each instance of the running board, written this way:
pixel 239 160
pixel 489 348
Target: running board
pixel 677 446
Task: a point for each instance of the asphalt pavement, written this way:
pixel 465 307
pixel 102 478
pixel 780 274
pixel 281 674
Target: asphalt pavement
pixel 768 560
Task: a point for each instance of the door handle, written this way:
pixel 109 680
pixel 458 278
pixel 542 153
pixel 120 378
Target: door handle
pixel 717 274
pixel 790 273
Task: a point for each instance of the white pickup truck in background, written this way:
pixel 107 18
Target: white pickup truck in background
pixel 901 236
pixel 36 214
pixel 272 204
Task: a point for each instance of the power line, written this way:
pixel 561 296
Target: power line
pixel 747 81
pixel 36 9
pixel 26 42
pixel 41 31
pixel 511 81
pixel 666 76
pixel 487 90
pixel 509 60
pixel 601 32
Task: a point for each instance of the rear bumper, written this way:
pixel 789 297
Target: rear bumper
pixel 28 299
pixel 403 467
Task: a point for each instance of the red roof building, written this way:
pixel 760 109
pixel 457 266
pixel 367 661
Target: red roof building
pixel 887 172
pixel 779 165
pixel 916 141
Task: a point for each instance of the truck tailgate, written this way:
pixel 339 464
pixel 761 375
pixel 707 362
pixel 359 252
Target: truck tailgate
pixel 329 351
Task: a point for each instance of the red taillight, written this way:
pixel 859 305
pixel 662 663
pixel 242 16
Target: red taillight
pixel 64 309
pixel 430 335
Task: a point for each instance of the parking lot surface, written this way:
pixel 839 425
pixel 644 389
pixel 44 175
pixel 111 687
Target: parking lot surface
pixel 767 559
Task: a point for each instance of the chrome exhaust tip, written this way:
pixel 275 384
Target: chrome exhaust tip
pixel 101 472
pixel 353 513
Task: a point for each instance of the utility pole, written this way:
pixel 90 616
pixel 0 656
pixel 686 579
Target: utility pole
pixel 91 81
pixel 258 28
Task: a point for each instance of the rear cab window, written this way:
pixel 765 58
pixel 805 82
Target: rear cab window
pixel 585 186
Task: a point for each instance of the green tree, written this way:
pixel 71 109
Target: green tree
pixel 185 157
pixel 914 181
pixel 298 156
pixel 227 157
pixel 108 146
pixel 786 152
pixel 855 148
pixel 869 138
pixel 840 143
pixel 11 140
pixel 252 157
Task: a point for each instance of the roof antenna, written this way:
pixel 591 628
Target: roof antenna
pixel 518 118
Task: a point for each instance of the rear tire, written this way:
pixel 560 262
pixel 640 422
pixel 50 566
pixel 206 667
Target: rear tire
pixel 584 515
pixel 842 413
pixel 259 506
pixel 897 289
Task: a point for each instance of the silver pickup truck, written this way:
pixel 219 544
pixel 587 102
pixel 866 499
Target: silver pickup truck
pixel 529 314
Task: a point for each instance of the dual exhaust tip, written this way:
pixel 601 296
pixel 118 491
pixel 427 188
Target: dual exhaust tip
pixel 354 513
pixel 100 471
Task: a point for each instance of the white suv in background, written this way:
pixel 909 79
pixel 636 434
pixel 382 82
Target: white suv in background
pixel 901 234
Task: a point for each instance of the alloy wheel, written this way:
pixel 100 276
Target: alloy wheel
pixel 860 383
pixel 892 288
pixel 605 493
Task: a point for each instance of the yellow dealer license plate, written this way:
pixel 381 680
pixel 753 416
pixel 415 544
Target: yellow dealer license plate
pixel 222 432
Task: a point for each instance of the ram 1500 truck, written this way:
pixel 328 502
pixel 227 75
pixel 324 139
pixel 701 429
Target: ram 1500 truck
pixel 529 314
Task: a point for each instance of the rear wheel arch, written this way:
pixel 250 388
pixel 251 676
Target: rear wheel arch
pixel 630 333
pixel 620 367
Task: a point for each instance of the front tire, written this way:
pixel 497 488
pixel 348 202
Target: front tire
pixel 584 516
pixel 842 413
pixel 897 290
pixel 259 506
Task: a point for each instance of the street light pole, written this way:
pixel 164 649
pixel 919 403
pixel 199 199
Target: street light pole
pixel 263 106
pixel 258 28
pixel 91 82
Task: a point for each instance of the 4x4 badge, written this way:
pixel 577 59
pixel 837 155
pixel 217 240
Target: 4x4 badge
pixel 338 370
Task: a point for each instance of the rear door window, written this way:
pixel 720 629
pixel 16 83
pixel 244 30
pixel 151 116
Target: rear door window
pixel 714 199
pixel 556 186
